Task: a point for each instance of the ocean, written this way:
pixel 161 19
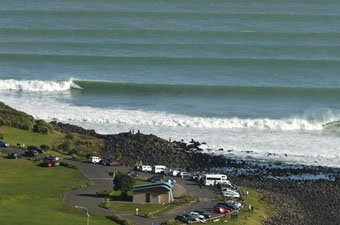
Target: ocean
pixel 258 78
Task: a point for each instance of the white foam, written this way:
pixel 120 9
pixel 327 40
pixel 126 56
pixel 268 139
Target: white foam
pixel 36 85
pixel 293 140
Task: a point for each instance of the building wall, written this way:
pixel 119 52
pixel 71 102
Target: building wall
pixel 157 196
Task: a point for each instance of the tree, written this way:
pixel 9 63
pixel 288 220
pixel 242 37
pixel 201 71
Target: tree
pixel 124 183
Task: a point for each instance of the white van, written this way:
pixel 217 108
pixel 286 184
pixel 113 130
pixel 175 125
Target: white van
pixel 159 169
pixel 94 159
pixel 213 179
pixel 146 168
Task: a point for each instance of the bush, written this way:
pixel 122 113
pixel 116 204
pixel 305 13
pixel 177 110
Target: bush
pixel 44 147
pixel 68 165
pixel 120 220
pixel 106 204
pixel 42 127
pixel 185 200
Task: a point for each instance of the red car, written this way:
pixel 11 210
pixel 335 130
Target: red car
pixel 221 209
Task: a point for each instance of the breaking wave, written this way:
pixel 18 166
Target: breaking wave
pixel 37 85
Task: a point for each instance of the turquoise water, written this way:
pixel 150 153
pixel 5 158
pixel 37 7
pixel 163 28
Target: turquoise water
pixel 255 75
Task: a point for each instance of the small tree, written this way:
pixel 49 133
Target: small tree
pixel 123 183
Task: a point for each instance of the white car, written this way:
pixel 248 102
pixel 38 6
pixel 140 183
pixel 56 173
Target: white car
pixel 199 216
pixel 226 192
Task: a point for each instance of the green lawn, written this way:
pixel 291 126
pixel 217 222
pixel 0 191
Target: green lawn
pixel 261 211
pixel 130 208
pixel 32 195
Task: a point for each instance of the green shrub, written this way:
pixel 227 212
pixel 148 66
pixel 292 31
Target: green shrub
pixel 80 145
pixel 120 220
pixel 42 127
pixel 68 165
pixel 185 200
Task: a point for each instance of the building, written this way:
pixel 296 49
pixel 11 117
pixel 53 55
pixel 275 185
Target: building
pixel 155 193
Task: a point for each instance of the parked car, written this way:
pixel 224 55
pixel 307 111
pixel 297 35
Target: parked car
pixel 193 218
pixel 52 158
pixel 32 153
pixel 155 178
pixel 183 219
pixel 203 213
pixel 196 214
pixel 50 163
pixel 226 184
pixel 35 148
pixel 230 193
pixel 228 205
pixel 15 156
pixel 107 162
pixel 133 174
pixel 4 144
pixel 222 209
pixel 238 204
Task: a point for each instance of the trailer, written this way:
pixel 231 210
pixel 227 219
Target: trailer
pixel 146 168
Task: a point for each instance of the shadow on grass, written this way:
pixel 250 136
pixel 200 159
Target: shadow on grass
pixel 121 199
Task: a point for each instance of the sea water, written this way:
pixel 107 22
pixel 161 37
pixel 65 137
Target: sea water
pixel 258 78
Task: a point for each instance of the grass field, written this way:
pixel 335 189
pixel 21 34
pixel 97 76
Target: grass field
pixel 32 195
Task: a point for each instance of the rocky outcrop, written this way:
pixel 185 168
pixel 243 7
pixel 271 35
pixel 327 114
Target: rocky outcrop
pixel 69 128
pixel 153 150
pixel 130 148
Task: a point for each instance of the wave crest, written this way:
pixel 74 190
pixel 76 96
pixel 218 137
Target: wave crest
pixel 37 85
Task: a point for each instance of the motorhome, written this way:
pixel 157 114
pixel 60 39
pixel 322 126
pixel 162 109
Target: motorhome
pixel 159 169
pixel 213 179
pixel 94 159
pixel 146 168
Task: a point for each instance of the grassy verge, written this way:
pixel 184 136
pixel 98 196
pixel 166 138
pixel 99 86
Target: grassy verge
pixel 261 211
pixel 33 195
pixel 143 209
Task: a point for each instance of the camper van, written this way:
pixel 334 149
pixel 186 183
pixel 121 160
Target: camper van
pixel 146 168
pixel 159 169
pixel 94 159
pixel 213 179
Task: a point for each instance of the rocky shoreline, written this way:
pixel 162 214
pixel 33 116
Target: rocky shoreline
pixel 300 194
pixel 298 202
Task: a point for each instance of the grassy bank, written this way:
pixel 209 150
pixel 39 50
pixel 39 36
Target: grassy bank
pixel 74 145
pixel 33 195
pixel 261 211
pixel 14 136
